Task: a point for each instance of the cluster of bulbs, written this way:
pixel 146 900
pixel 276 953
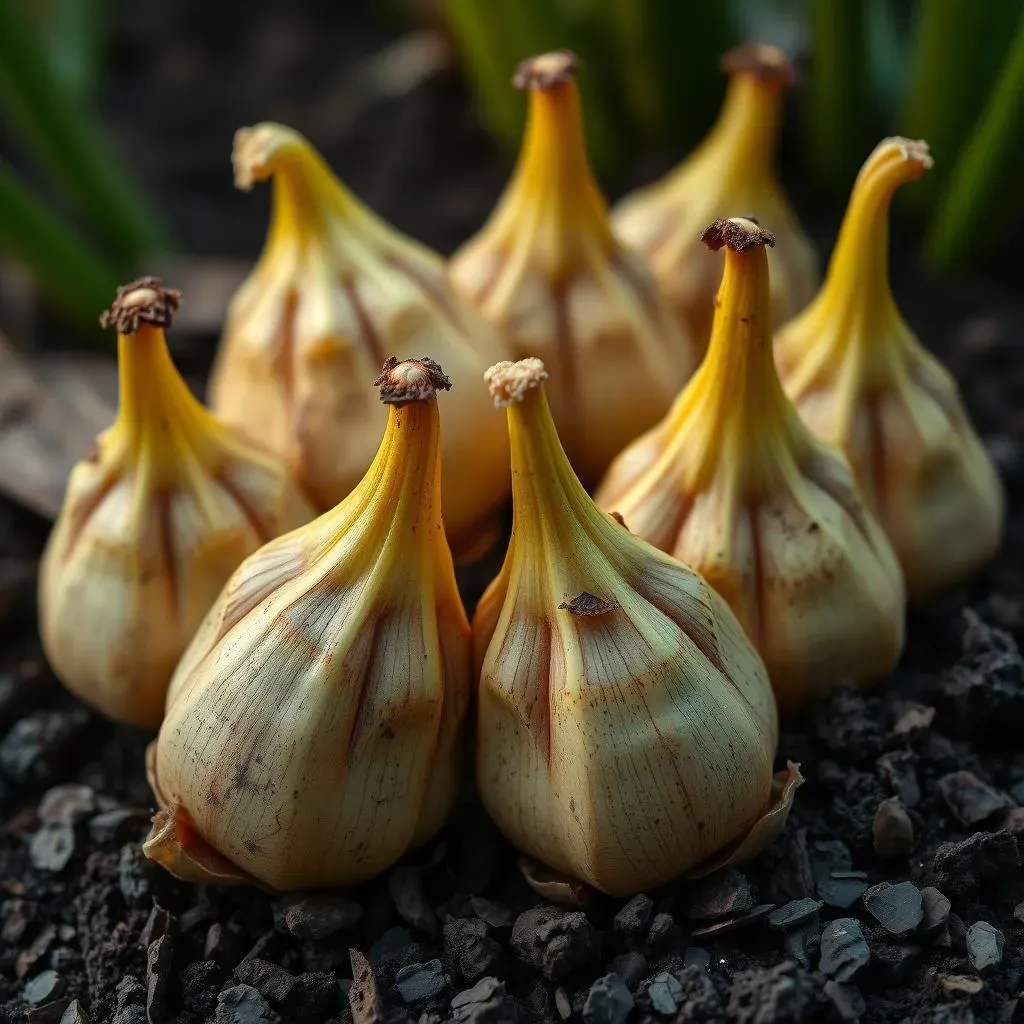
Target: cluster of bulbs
pixel 764 506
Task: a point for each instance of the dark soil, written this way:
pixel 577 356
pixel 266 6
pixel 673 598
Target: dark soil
pixel 896 893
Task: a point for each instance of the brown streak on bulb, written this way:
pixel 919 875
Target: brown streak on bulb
pixel 737 233
pixel 761 60
pixel 546 70
pixel 258 526
pixel 370 336
pixel 586 604
pixel 165 529
pixel 142 301
pixel 410 380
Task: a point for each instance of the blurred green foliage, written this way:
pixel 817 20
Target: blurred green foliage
pixel 948 71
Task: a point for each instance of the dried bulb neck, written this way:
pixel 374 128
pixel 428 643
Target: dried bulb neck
pixel 744 422
pixel 857 292
pixel 553 203
pixel 743 143
pixel 397 504
pixel 556 524
pixel 159 421
pixel 311 208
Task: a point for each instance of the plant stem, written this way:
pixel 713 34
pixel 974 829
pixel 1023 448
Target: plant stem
pixel 977 182
pixel 77 279
pixel 69 145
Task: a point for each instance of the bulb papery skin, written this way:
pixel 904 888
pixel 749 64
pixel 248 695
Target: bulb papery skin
pixel 734 485
pixel 547 271
pixel 863 382
pixel 313 727
pixel 152 525
pixel 732 171
pixel 335 291
pixel 626 726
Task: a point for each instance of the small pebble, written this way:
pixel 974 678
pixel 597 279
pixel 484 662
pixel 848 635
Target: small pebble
pixel 316 916
pixel 984 946
pixel 487 1002
pixel 158 978
pixel 831 863
pixel 157 924
pixel 630 967
pixel 418 983
pixel 936 910
pixel 563 1005
pixel 664 992
pixel 635 916
pixel 803 943
pixel 844 950
pixel 970 799
pixel 898 771
pixel 898 908
pixel 984 858
pixel 43 988
pixel 469 947
pixel 74 1014
pixel 794 913
pixel 663 929
pixel 363 996
pixel 1018 912
pixel 133 875
pixel 52 846
pixel 892 830
pixel 272 982
pixel 242 1004
pixel 608 1001
pixel 69 803
pixel 554 941
pixel 846 999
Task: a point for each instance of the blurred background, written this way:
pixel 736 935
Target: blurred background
pixel 116 121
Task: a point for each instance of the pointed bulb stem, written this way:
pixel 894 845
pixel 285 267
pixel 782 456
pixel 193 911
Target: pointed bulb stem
pixel 749 419
pixel 859 269
pixel 306 194
pixel 553 196
pixel 748 127
pixel 401 491
pixel 159 420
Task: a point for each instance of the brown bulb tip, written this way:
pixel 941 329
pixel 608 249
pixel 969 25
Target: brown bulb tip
pixel 145 301
pixel 739 234
pixel 761 60
pixel 589 604
pixel 546 71
pixel 411 380
pixel 509 382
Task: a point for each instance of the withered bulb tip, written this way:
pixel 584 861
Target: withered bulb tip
pixel 143 301
pixel 761 60
pixel 509 382
pixel 546 70
pixel 402 381
pixel 736 233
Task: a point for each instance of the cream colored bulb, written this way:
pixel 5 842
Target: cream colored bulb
pixel 733 484
pixel 153 524
pixel 313 727
pixel 626 727
pixel 334 292
pixel 733 170
pixel 863 381
pixel 548 272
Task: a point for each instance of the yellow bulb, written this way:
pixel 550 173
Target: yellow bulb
pixel 862 381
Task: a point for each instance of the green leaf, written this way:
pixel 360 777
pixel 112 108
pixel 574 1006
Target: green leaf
pixel 70 146
pixel 75 278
